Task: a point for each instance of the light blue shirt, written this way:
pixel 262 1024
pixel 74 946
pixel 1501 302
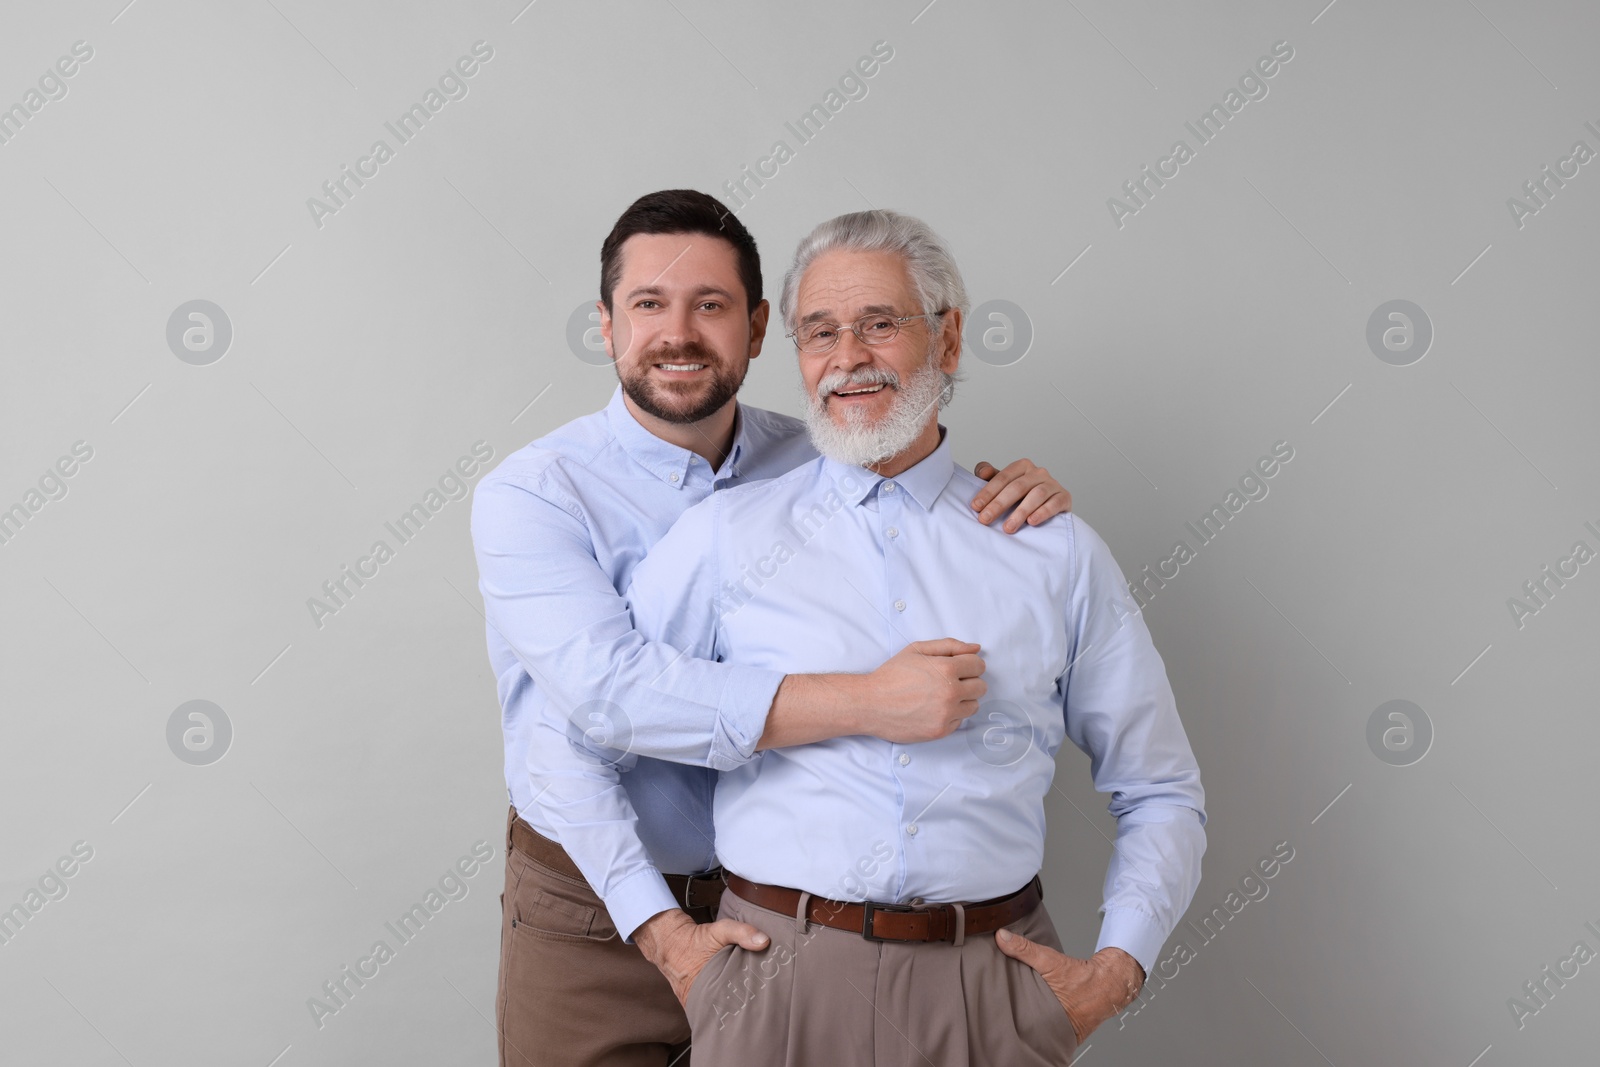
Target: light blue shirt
pixel 833 568
pixel 558 527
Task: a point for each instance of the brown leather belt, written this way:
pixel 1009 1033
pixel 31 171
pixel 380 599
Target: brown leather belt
pixel 896 922
pixel 698 894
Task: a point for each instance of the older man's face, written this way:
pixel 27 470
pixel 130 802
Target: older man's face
pixel 842 286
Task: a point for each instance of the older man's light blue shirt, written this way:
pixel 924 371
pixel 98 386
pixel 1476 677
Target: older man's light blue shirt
pixel 558 528
pixel 833 568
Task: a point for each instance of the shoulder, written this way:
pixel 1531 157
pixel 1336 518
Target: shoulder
pixel 753 497
pixel 780 443
pixel 1090 556
pixel 734 514
pixel 544 466
pixel 773 424
pixel 1054 532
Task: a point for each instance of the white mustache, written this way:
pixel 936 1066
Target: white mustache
pixel 852 379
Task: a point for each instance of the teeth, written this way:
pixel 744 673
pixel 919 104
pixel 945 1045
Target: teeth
pixel 681 366
pixel 858 392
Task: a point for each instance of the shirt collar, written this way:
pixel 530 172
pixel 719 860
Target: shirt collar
pixel 661 458
pixel 923 481
pixel 741 444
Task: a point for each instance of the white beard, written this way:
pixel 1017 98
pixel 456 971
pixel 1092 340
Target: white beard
pixel 858 443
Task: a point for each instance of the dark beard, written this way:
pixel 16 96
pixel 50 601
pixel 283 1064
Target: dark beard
pixel 652 397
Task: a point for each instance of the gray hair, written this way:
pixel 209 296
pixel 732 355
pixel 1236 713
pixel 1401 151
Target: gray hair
pixel 934 275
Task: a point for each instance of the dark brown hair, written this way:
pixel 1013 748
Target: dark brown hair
pixel 681 211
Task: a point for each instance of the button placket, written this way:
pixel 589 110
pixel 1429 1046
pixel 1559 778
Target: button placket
pixel 893 510
pixel 890 521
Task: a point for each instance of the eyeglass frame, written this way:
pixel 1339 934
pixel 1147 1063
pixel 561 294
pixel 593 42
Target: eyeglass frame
pixel 839 328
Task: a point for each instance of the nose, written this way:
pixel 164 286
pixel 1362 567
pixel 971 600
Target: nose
pixel 848 353
pixel 678 324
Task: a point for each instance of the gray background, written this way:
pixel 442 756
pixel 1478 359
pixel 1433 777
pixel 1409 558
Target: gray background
pixel 431 312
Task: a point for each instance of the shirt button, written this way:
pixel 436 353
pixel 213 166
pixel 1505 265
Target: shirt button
pixel 912 829
pixel 893 532
pixel 904 759
pixel 672 477
pixel 899 605
pixel 888 487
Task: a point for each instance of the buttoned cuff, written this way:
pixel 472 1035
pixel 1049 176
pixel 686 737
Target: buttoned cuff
pixel 1135 933
pixel 636 898
pixel 742 715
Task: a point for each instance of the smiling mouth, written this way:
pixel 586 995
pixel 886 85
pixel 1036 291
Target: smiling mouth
pixel 680 366
pixel 865 390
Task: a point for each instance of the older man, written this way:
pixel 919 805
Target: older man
pixel 897 882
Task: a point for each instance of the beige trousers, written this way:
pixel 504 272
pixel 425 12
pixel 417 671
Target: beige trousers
pixel 832 997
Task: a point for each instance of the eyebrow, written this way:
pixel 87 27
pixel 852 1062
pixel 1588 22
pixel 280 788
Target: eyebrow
pixel 825 315
pixel 656 290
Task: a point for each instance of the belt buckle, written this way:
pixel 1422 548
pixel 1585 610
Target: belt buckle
pixel 871 908
pixel 689 884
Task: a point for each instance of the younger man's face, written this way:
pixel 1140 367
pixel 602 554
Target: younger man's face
pixel 680 332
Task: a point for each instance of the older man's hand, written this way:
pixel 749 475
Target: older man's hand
pixel 1090 991
pixel 681 947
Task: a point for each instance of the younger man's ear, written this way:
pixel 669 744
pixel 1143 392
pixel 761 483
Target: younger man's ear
pixel 758 327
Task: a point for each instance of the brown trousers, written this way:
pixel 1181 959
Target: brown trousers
pixel 828 996
pixel 572 992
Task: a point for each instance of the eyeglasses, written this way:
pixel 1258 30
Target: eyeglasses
pixel 874 329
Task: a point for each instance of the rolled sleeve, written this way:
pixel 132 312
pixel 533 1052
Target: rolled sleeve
pixel 742 715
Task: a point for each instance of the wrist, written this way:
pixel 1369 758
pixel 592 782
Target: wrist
pixel 656 932
pixel 855 702
pixel 1124 975
pixel 815 707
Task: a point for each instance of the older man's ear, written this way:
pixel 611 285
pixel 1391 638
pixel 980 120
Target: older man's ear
pixel 950 341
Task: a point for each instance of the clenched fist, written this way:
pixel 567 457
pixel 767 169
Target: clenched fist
pixel 925 690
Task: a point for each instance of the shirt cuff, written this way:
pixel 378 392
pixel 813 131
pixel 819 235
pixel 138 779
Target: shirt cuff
pixel 636 898
pixel 1135 933
pixel 742 715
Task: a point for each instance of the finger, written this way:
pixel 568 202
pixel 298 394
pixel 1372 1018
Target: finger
pixel 964 709
pixel 984 469
pixel 968 665
pixel 1056 505
pixel 943 646
pixel 1018 947
pixel 972 689
pixel 734 932
pixel 1014 491
pixel 1025 508
pixel 998 481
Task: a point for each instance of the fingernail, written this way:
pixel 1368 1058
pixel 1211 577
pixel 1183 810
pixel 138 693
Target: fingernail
pixel 1003 934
